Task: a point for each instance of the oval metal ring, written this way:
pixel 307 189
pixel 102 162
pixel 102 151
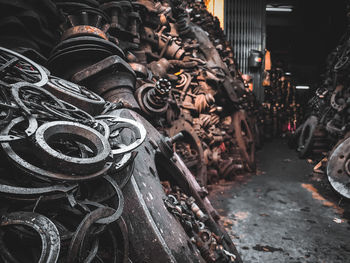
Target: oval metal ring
pixel 50 237
pixel 41 173
pixel 44 78
pixel 70 130
pixel 32 127
pixel 140 130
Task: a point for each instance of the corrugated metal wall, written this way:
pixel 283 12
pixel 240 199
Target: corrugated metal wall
pixel 245 28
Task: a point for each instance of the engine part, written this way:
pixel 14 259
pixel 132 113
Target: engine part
pixel 48 232
pixel 338 168
pixel 15 67
pixel 306 136
pixel 244 138
pixel 190 150
pixel 56 132
pixel 75 94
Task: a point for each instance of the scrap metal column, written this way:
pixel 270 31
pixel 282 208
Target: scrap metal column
pixel 245 28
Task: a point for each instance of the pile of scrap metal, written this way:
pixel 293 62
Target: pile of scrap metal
pixel 325 133
pixel 282 113
pixel 206 98
pixel 123 95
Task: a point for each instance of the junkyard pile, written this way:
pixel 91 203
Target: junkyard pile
pixel 116 88
pixel 325 133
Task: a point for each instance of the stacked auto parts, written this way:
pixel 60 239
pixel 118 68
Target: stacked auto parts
pixel 59 185
pixel 327 124
pixel 207 101
pixel 282 112
pixel 159 71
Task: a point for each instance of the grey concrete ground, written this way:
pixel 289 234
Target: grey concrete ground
pixel 284 213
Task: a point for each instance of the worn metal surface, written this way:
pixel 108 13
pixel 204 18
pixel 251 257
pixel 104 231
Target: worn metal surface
pixel 85 162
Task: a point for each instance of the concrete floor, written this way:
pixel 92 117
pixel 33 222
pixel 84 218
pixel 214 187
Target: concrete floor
pixel 284 213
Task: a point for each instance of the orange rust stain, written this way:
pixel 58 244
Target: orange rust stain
pixel 317 196
pixel 241 215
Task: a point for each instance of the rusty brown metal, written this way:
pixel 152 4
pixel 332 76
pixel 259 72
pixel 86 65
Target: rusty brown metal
pixel 83 31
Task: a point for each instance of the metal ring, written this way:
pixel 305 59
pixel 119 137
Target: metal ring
pixel 44 78
pixel 41 173
pixel 32 127
pixel 50 237
pixel 77 95
pixel 22 85
pixel 136 125
pixel 92 138
pixel 33 193
pixel 63 113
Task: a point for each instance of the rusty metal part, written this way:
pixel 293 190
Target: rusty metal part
pixel 306 136
pixel 152 98
pixel 35 95
pixel 203 102
pixel 69 113
pixel 50 238
pixel 31 129
pixel 244 138
pixel 54 191
pixel 338 169
pixel 337 103
pixel 192 152
pixel 80 234
pixel 61 131
pixel 22 68
pixel 140 70
pixel 185 209
pixel 75 54
pixel 111 78
pixel 6 110
pixel 83 30
pixel 75 94
pixel 17 158
pixel 118 124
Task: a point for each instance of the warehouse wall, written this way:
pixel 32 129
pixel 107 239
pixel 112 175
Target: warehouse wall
pixel 245 28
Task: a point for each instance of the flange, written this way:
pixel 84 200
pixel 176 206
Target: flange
pixel 338 168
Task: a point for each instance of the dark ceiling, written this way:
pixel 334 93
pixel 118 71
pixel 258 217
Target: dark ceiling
pixel 301 40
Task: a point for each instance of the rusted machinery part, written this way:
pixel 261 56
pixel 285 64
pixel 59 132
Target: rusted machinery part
pixel 338 168
pixel 117 124
pixel 33 193
pixel 6 110
pixel 337 102
pixel 253 123
pixel 53 131
pixel 306 136
pixel 110 64
pixel 75 94
pixel 186 181
pixel 19 89
pixel 31 72
pixel 244 137
pixel 190 137
pixel 83 229
pixel 203 102
pixel 293 139
pixel 120 206
pixel 29 131
pixel 144 203
pixel 50 237
pixel 68 113
pixel 83 30
pixel 83 41
pixel 142 96
pixel 15 155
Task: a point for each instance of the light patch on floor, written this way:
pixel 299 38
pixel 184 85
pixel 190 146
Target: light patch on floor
pixel 317 196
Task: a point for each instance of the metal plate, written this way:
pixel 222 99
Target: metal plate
pixel 338 168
